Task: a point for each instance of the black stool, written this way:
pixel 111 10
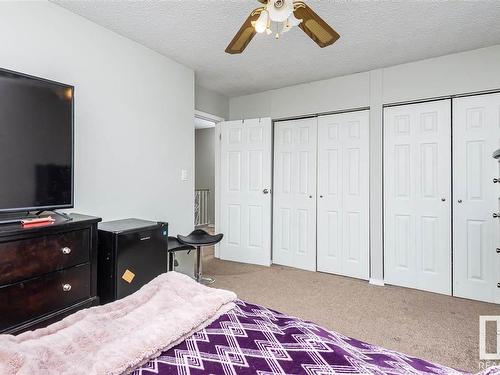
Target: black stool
pixel 200 238
pixel 175 245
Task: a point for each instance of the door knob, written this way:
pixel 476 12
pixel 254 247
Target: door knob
pixel 310 196
pixel 265 191
pixel 459 201
pixel 496 180
pixel 321 196
pixel 443 199
pixel 495 215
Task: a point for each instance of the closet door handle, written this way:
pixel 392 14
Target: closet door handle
pixel 496 180
pixel 265 191
pixel 495 215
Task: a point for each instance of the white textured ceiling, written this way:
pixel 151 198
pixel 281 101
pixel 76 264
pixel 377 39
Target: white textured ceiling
pixel 374 34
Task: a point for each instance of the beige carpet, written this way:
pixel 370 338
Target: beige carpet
pixel 431 326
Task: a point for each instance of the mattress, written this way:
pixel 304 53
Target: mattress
pixel 252 339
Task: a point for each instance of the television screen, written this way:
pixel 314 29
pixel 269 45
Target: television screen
pixel 36 143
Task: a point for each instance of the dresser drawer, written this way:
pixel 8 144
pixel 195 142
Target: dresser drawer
pixel 27 258
pixel 46 320
pixel 31 299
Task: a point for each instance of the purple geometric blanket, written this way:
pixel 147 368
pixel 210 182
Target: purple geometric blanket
pixel 252 339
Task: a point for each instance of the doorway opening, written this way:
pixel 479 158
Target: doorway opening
pixel 204 176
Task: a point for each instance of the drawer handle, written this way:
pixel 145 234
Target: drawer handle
pixel 66 250
pixel 66 287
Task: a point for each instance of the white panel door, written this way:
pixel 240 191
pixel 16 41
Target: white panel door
pixel 245 183
pixel 294 193
pixel 476 134
pixel 343 189
pixel 417 194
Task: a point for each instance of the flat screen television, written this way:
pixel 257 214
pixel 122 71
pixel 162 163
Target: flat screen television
pixel 36 143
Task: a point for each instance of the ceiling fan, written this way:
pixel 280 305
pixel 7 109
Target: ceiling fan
pixel 283 15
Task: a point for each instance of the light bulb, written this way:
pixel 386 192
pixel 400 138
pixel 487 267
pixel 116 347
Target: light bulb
pixel 261 24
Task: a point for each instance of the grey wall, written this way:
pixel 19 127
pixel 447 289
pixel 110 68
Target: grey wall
pixel 205 165
pixel 134 113
pixel 465 72
pixel 211 102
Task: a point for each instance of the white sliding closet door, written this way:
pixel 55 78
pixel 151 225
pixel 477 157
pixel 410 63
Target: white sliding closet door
pixel 294 199
pixel 476 134
pixel 417 193
pixel 245 183
pixel 343 188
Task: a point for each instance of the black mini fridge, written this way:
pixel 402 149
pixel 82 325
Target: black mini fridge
pixel 131 253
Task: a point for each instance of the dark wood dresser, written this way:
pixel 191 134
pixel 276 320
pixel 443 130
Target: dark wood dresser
pixel 47 272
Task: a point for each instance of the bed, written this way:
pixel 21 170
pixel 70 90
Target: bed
pixel 252 339
pixel 174 325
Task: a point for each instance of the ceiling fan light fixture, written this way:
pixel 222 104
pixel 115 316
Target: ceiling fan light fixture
pixel 284 14
pixel 279 12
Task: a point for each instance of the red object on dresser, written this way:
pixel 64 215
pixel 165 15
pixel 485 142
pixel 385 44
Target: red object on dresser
pixel 38 221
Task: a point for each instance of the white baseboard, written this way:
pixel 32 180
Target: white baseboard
pixel 376 282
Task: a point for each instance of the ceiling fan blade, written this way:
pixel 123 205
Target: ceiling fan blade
pixel 244 34
pixel 314 26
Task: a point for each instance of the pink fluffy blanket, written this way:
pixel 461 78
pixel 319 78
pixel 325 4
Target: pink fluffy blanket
pixel 117 337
